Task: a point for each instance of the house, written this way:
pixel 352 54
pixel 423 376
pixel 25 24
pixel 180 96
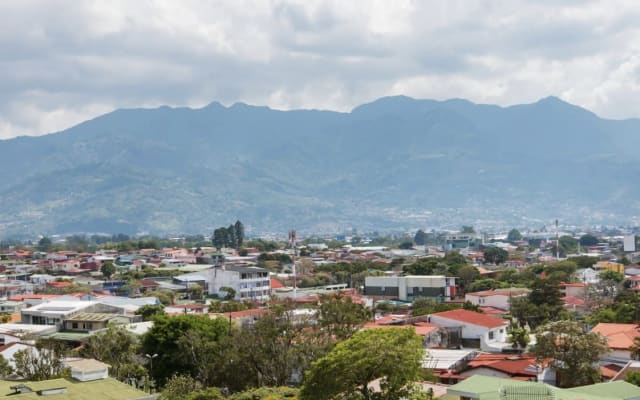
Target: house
pixel 58 311
pixel 573 289
pixel 488 387
pixel 87 369
pixel 89 322
pixel 619 339
pixel 249 283
pixel 498 298
pixel 481 331
pixel 10 307
pixel 521 366
pixel 9 350
pixel 408 288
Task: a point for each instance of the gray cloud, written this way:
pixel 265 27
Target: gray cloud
pixel 64 61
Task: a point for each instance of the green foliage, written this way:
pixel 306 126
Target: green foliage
pixel 560 271
pixel 42 362
pixel 163 339
pixel 588 240
pixel 584 261
pixel 518 336
pixel 229 306
pixel 178 387
pixel 568 245
pixel 483 284
pixel 542 305
pixel 230 293
pixel 633 377
pixel 115 346
pixel 420 238
pixel 406 245
pixel 5 368
pixel 514 235
pixel 267 393
pixel 45 244
pixel 150 311
pixel 425 306
pixel 231 236
pixel 425 266
pixel 392 355
pixel 166 297
pixel 575 353
pixel 495 255
pixel 108 269
pixel 340 317
pixel 467 275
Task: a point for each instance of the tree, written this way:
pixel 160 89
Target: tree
pixel 588 240
pixel 635 348
pixel 150 311
pixel 518 336
pixel 348 369
pixel 230 293
pixel 420 238
pixel 179 386
pixel 115 346
pixel 495 255
pixel 45 244
pixel 574 352
pixel 239 233
pixel 232 238
pixel 568 245
pixel 633 377
pixel 406 245
pixel 340 316
pixel 5 368
pixel 468 229
pixel 514 235
pixel 467 275
pixel 42 362
pixel 108 269
pixel 163 339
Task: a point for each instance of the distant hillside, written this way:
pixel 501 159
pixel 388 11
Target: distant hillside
pixel 386 164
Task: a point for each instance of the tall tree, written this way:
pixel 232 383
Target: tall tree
pixel 420 238
pixel 239 233
pixel 45 244
pixel 108 269
pixel 392 355
pixel 231 237
pixel 574 352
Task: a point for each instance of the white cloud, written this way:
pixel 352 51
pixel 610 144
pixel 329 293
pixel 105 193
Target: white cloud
pixel 66 61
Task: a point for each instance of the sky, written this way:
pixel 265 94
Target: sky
pixel 63 62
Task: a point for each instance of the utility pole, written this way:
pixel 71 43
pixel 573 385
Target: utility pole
pixel 557 241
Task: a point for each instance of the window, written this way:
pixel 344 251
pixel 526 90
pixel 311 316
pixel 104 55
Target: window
pixel 74 325
pixel 490 334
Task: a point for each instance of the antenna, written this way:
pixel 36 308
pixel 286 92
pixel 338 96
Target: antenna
pixel 294 246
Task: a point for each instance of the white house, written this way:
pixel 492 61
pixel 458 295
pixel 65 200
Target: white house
pixel 249 283
pixel 478 330
pixel 9 350
pixel 619 338
pixel 408 288
pixel 87 369
pixel 498 298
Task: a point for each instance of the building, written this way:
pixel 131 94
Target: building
pixel 462 241
pixel 619 339
pixel 249 283
pixel 409 288
pixel 57 312
pixel 488 387
pixel 479 331
pixel 498 298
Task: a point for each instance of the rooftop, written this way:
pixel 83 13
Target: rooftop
pixel 103 389
pixel 473 318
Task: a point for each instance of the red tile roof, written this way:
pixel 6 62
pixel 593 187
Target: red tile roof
pixel 619 336
pixel 508 363
pixel 473 318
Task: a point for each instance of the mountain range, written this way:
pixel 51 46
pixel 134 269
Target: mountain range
pixel 394 163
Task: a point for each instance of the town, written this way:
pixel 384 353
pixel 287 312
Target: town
pixel 459 314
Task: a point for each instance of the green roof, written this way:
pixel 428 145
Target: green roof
pixel 488 388
pixel 103 389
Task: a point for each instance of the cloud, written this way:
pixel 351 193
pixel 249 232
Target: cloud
pixel 65 61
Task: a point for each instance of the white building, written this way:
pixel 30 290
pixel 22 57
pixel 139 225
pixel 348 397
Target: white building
pixel 87 369
pixel 478 330
pixel 249 283
pixel 408 288
pixel 498 298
